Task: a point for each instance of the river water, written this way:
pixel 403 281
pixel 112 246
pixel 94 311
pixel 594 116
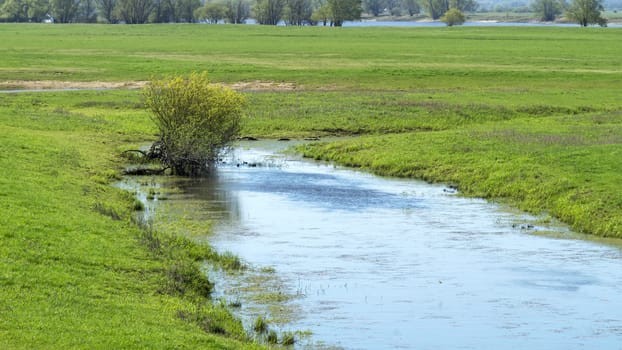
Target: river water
pixel 365 262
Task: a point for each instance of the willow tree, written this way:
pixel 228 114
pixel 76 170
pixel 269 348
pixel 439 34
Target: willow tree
pixel 547 10
pixel 135 11
pixel 269 11
pixel 453 17
pixel 586 12
pixel 344 10
pixel 64 11
pixel 237 11
pixel 197 121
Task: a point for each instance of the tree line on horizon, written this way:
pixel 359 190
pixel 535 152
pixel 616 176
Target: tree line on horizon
pixel 270 12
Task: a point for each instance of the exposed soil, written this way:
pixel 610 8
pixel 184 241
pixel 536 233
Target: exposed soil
pixel 56 85
pixel 262 86
pixel 59 85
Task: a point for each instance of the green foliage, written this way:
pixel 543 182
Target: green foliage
pixel 586 12
pixel 412 7
pixel 196 121
pixel 463 5
pixel 453 17
pixel 74 272
pixel 492 60
pixel 24 10
pixel 344 10
pixel 186 278
pixel 321 15
pixel 64 11
pixel 237 11
pixel 229 261
pixel 272 337
pixel 298 12
pixel 288 339
pixel 108 10
pixel 212 12
pixel 547 10
pixel 374 7
pixel 355 81
pixel 562 165
pixel 320 113
pixel 472 107
pixel 269 11
pixel 260 325
pixel 134 11
pixel 435 8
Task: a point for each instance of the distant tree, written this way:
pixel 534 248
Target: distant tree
pixel 394 7
pixel 464 5
pixel 211 12
pixel 322 14
pixel 164 11
pixel 107 10
pixel 14 11
pixel 135 11
pixel 344 10
pixel 38 10
pixel 586 12
pixel 237 11
pixel 547 10
pixel 196 121
pixel 185 10
pixel 24 10
pixel 269 11
pixel 64 11
pixel 374 7
pixel 87 11
pixel 453 17
pixel 435 8
pixel 412 7
pixel 298 12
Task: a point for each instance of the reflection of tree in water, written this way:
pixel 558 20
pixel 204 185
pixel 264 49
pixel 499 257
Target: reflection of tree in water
pixel 208 198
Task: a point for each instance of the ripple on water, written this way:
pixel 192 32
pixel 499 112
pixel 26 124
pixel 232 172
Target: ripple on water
pixel 380 263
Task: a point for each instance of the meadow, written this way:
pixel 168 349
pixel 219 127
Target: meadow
pixel 527 116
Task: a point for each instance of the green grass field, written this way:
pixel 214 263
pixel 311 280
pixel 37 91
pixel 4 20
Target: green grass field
pixel 76 271
pixel 528 116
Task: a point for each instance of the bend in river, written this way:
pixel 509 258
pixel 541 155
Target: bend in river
pixel 364 262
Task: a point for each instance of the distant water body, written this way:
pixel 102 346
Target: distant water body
pixel 374 23
pixel 467 24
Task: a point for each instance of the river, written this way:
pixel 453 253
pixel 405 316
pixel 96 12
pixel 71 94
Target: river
pixel 366 262
pixel 428 23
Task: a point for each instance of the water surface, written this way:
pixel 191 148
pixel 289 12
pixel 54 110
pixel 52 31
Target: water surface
pixel 376 263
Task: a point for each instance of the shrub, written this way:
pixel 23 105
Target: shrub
pixel 197 121
pixel 453 17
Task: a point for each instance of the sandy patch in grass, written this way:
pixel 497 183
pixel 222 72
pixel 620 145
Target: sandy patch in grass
pixel 56 85
pixel 59 85
pixel 262 86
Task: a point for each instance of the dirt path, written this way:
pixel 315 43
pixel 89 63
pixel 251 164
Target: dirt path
pixel 59 85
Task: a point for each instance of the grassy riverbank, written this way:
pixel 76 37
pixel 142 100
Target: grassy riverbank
pixel 556 159
pixel 565 166
pixel 75 270
pixel 530 116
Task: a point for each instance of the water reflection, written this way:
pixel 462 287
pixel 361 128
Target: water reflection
pixel 374 263
pixel 326 189
pixel 215 201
